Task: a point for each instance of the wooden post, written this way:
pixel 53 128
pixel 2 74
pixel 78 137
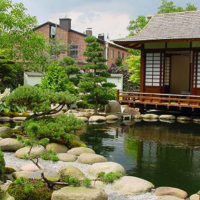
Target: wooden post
pixel 142 70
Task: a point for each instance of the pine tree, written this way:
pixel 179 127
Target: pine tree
pixel 94 85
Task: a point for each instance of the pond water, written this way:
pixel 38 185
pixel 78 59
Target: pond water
pixel 162 153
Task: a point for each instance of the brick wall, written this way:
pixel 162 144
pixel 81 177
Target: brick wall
pixel 70 37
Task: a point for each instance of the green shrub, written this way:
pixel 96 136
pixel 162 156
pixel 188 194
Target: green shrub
pixel 24 189
pixel 82 104
pixel 109 177
pixel 73 181
pixel 58 129
pixel 50 155
pixel 87 182
pixel 2 165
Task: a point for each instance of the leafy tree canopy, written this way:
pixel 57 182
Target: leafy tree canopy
pixel 94 83
pixel 17 34
pixel 11 73
pixel 39 100
pixel 56 79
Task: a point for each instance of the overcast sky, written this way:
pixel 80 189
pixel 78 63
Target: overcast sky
pixel 104 16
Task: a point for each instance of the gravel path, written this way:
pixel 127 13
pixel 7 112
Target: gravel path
pixel 11 160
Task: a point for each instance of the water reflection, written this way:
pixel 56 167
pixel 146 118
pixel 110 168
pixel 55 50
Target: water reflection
pixel 165 154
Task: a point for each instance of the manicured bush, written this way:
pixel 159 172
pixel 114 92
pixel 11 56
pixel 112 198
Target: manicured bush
pixel 2 165
pixel 58 129
pixel 50 155
pixel 24 189
pixel 109 177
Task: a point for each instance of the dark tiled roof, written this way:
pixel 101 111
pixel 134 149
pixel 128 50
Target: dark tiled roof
pixel 169 26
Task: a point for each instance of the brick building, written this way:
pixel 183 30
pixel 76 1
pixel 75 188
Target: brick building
pixel 76 42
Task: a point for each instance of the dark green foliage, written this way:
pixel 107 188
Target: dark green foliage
pixel 2 165
pixel 73 181
pixel 94 83
pixel 119 61
pixel 71 69
pixel 24 189
pixel 2 194
pixel 37 99
pixel 56 79
pixel 50 155
pixel 109 177
pixel 82 104
pixel 56 129
pixel 11 73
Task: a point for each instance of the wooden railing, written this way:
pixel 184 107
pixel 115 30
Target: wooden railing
pixel 159 99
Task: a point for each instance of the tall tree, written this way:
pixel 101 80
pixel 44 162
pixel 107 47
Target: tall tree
pixel 17 34
pixel 94 83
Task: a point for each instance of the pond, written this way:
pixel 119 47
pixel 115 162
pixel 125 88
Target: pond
pixel 162 153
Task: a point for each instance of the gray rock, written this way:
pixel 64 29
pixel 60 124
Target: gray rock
pixel 66 157
pixel 31 167
pixel 113 107
pixel 36 151
pixel 167 117
pixel 19 119
pixel 183 118
pixel 5 130
pixel 27 174
pixel 194 197
pixel 96 118
pixel 71 171
pixel 150 116
pixel 79 150
pixel 112 117
pixel 79 193
pixel 106 167
pixel 88 158
pixel 168 197
pixel 5 119
pixel 10 144
pixel 58 148
pixel 129 185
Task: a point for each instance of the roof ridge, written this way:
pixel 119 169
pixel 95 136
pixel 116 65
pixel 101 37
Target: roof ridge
pixel 180 12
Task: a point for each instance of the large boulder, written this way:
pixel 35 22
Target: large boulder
pixel 28 175
pixel 19 119
pixel 71 171
pixel 58 148
pixel 66 157
pixel 112 117
pixel 113 107
pixel 168 197
pixel 129 185
pixel 89 158
pixel 36 151
pixel 106 167
pixel 80 150
pixel 167 117
pixel 162 191
pixel 5 119
pixel 10 144
pixel 134 112
pixel 79 193
pixel 96 118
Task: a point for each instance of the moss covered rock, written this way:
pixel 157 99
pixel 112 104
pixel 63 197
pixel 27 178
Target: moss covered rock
pixel 10 144
pixel 80 150
pixel 58 148
pixel 82 193
pixel 71 171
pixel 2 165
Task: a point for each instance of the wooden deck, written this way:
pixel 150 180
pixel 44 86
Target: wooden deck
pixel 156 100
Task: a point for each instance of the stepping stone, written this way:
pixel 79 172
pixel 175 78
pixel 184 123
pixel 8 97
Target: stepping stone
pixel 89 158
pixel 66 157
pixel 79 150
pixel 129 185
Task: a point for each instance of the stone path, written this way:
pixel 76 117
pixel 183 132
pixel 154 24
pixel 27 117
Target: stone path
pixel 11 160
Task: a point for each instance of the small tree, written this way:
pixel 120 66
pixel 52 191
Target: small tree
pixel 71 69
pixel 94 83
pixel 56 47
pixel 56 79
pixel 11 73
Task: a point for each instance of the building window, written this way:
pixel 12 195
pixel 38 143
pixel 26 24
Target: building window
pixel 73 50
pixel 154 69
pixel 196 77
pixel 52 31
